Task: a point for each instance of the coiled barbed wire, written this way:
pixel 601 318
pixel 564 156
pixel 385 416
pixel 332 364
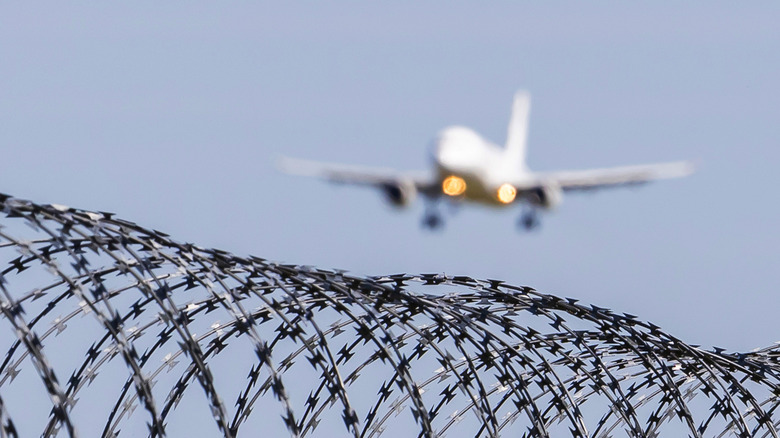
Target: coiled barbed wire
pixel 103 316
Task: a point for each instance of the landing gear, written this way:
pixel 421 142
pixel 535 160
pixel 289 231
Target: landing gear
pixel 529 220
pixel 432 219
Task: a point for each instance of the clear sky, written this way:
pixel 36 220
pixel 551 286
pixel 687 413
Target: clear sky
pixel 171 115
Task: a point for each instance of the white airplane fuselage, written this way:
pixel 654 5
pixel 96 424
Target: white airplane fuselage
pixel 483 166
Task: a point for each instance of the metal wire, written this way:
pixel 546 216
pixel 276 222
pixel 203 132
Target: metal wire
pixel 105 316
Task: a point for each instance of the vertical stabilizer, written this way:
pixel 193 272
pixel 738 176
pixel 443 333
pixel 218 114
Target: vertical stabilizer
pixel 517 133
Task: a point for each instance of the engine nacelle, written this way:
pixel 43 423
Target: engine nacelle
pixel 547 196
pixel 400 193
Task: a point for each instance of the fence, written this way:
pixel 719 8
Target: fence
pixel 111 327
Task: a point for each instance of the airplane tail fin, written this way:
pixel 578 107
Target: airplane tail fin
pixel 517 132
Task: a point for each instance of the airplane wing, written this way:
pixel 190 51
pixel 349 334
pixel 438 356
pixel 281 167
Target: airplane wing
pixel 599 178
pixel 368 176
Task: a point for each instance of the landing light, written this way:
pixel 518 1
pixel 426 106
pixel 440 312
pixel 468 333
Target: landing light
pixel 506 193
pixel 453 186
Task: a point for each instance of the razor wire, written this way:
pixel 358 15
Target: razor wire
pixel 114 329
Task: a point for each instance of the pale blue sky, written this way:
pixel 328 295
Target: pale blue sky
pixel 171 116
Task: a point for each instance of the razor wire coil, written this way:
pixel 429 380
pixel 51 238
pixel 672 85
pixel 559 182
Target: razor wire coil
pixel 112 328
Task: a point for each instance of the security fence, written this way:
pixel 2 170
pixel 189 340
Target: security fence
pixel 112 328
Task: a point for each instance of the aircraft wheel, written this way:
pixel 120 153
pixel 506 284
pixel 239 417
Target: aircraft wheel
pixel 432 221
pixel 529 221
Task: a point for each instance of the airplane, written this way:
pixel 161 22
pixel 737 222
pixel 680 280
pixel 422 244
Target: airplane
pixel 468 168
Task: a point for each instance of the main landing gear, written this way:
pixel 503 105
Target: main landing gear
pixel 529 220
pixel 432 218
pixel 432 221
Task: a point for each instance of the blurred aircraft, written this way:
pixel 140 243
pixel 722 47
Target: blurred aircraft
pixel 466 167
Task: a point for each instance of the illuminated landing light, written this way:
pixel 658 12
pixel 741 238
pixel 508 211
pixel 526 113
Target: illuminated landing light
pixel 453 186
pixel 506 193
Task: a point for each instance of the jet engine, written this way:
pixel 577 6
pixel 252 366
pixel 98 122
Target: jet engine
pixel 547 196
pixel 399 193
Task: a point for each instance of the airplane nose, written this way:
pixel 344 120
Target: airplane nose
pixel 434 148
